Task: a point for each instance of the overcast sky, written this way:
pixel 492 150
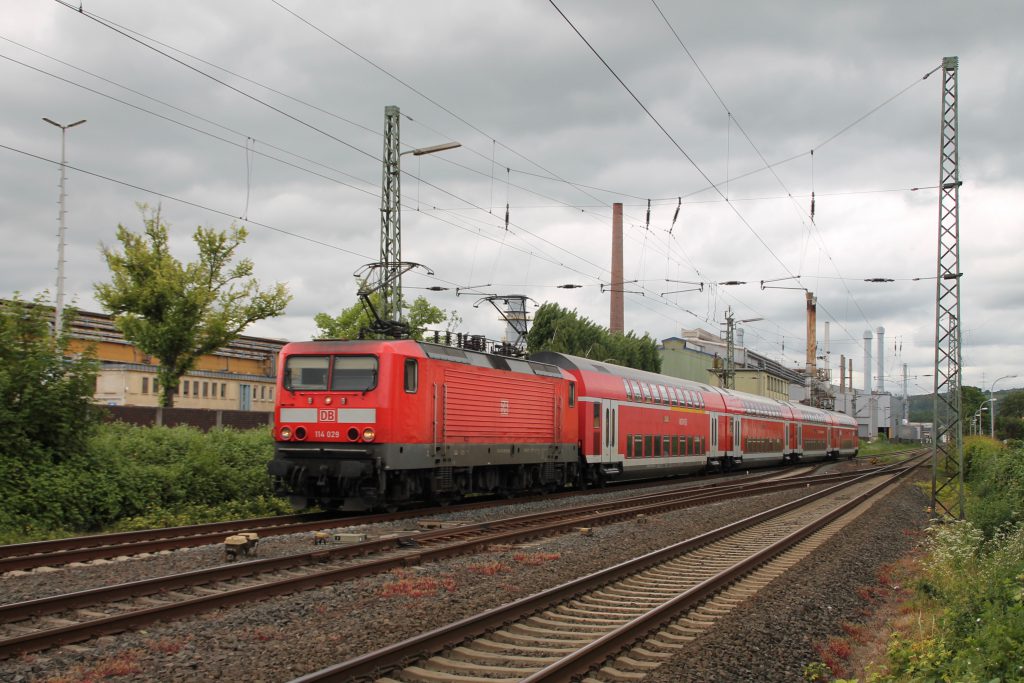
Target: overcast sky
pixel 270 114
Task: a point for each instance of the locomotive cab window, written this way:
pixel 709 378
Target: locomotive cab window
pixel 306 373
pixel 412 375
pixel 354 373
pixel 572 394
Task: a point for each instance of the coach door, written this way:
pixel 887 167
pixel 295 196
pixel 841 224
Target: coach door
pixel 725 433
pixel 610 433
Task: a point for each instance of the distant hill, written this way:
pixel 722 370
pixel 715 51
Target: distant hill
pixel 921 407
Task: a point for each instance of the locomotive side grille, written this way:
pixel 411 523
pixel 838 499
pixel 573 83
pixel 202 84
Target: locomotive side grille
pixel 498 407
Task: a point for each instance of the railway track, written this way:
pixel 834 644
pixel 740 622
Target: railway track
pixel 39 624
pixel 27 556
pixel 620 623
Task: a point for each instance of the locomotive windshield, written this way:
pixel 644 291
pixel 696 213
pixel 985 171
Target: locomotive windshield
pixel 346 373
pixel 354 373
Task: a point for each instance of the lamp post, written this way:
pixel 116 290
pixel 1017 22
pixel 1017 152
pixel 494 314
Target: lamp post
pixel 976 420
pixel 992 410
pixel 59 308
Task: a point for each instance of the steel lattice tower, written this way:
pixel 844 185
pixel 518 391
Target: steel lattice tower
pixel 390 273
pixel 729 373
pixel 947 442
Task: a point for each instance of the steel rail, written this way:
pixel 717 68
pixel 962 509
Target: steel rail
pixel 599 651
pixel 378 663
pixel 482 535
pixel 57 552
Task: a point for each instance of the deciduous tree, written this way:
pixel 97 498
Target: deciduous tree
pixel 561 330
pixel 349 323
pixel 46 408
pixel 178 312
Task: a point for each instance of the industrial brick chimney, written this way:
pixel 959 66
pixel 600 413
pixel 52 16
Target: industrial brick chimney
pixel 617 322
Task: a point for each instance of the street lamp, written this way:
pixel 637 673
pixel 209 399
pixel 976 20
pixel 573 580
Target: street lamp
pixel 992 412
pixel 976 420
pixel 433 148
pixel 59 309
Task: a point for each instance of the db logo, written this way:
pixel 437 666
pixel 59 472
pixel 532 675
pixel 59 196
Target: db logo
pixel 327 415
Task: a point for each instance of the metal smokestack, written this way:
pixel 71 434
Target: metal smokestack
pixel 881 359
pixel 867 361
pixel 617 321
pixel 842 373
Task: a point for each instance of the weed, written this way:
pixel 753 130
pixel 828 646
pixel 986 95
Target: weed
pixel 534 559
pixel 856 632
pixel 817 672
pixel 489 568
pixel 265 633
pixel 122 665
pixel 167 646
pixel 418 587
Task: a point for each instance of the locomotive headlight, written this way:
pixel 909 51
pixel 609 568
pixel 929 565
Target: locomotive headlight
pixel 328 401
pixel 368 434
pixel 286 433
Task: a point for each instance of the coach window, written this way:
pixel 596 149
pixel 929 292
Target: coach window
pixel 647 391
pixel 636 390
pixel 354 373
pixel 664 394
pixel 597 415
pixel 629 391
pixel 412 375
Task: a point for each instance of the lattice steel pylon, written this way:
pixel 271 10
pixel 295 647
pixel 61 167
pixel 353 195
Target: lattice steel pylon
pixel 947 442
pixel 390 274
pixel 729 371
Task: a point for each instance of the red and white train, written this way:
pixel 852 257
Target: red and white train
pixel 372 424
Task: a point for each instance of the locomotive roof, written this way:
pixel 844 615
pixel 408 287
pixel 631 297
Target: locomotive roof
pixel 454 354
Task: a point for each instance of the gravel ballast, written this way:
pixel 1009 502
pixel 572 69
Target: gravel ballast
pixel 279 639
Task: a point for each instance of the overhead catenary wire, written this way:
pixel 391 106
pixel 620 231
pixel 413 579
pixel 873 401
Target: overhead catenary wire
pixel 508 171
pixel 314 127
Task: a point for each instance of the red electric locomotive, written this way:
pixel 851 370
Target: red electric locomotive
pixel 365 424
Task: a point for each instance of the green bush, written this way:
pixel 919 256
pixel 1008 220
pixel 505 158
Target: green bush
pixel 996 478
pixel 134 477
